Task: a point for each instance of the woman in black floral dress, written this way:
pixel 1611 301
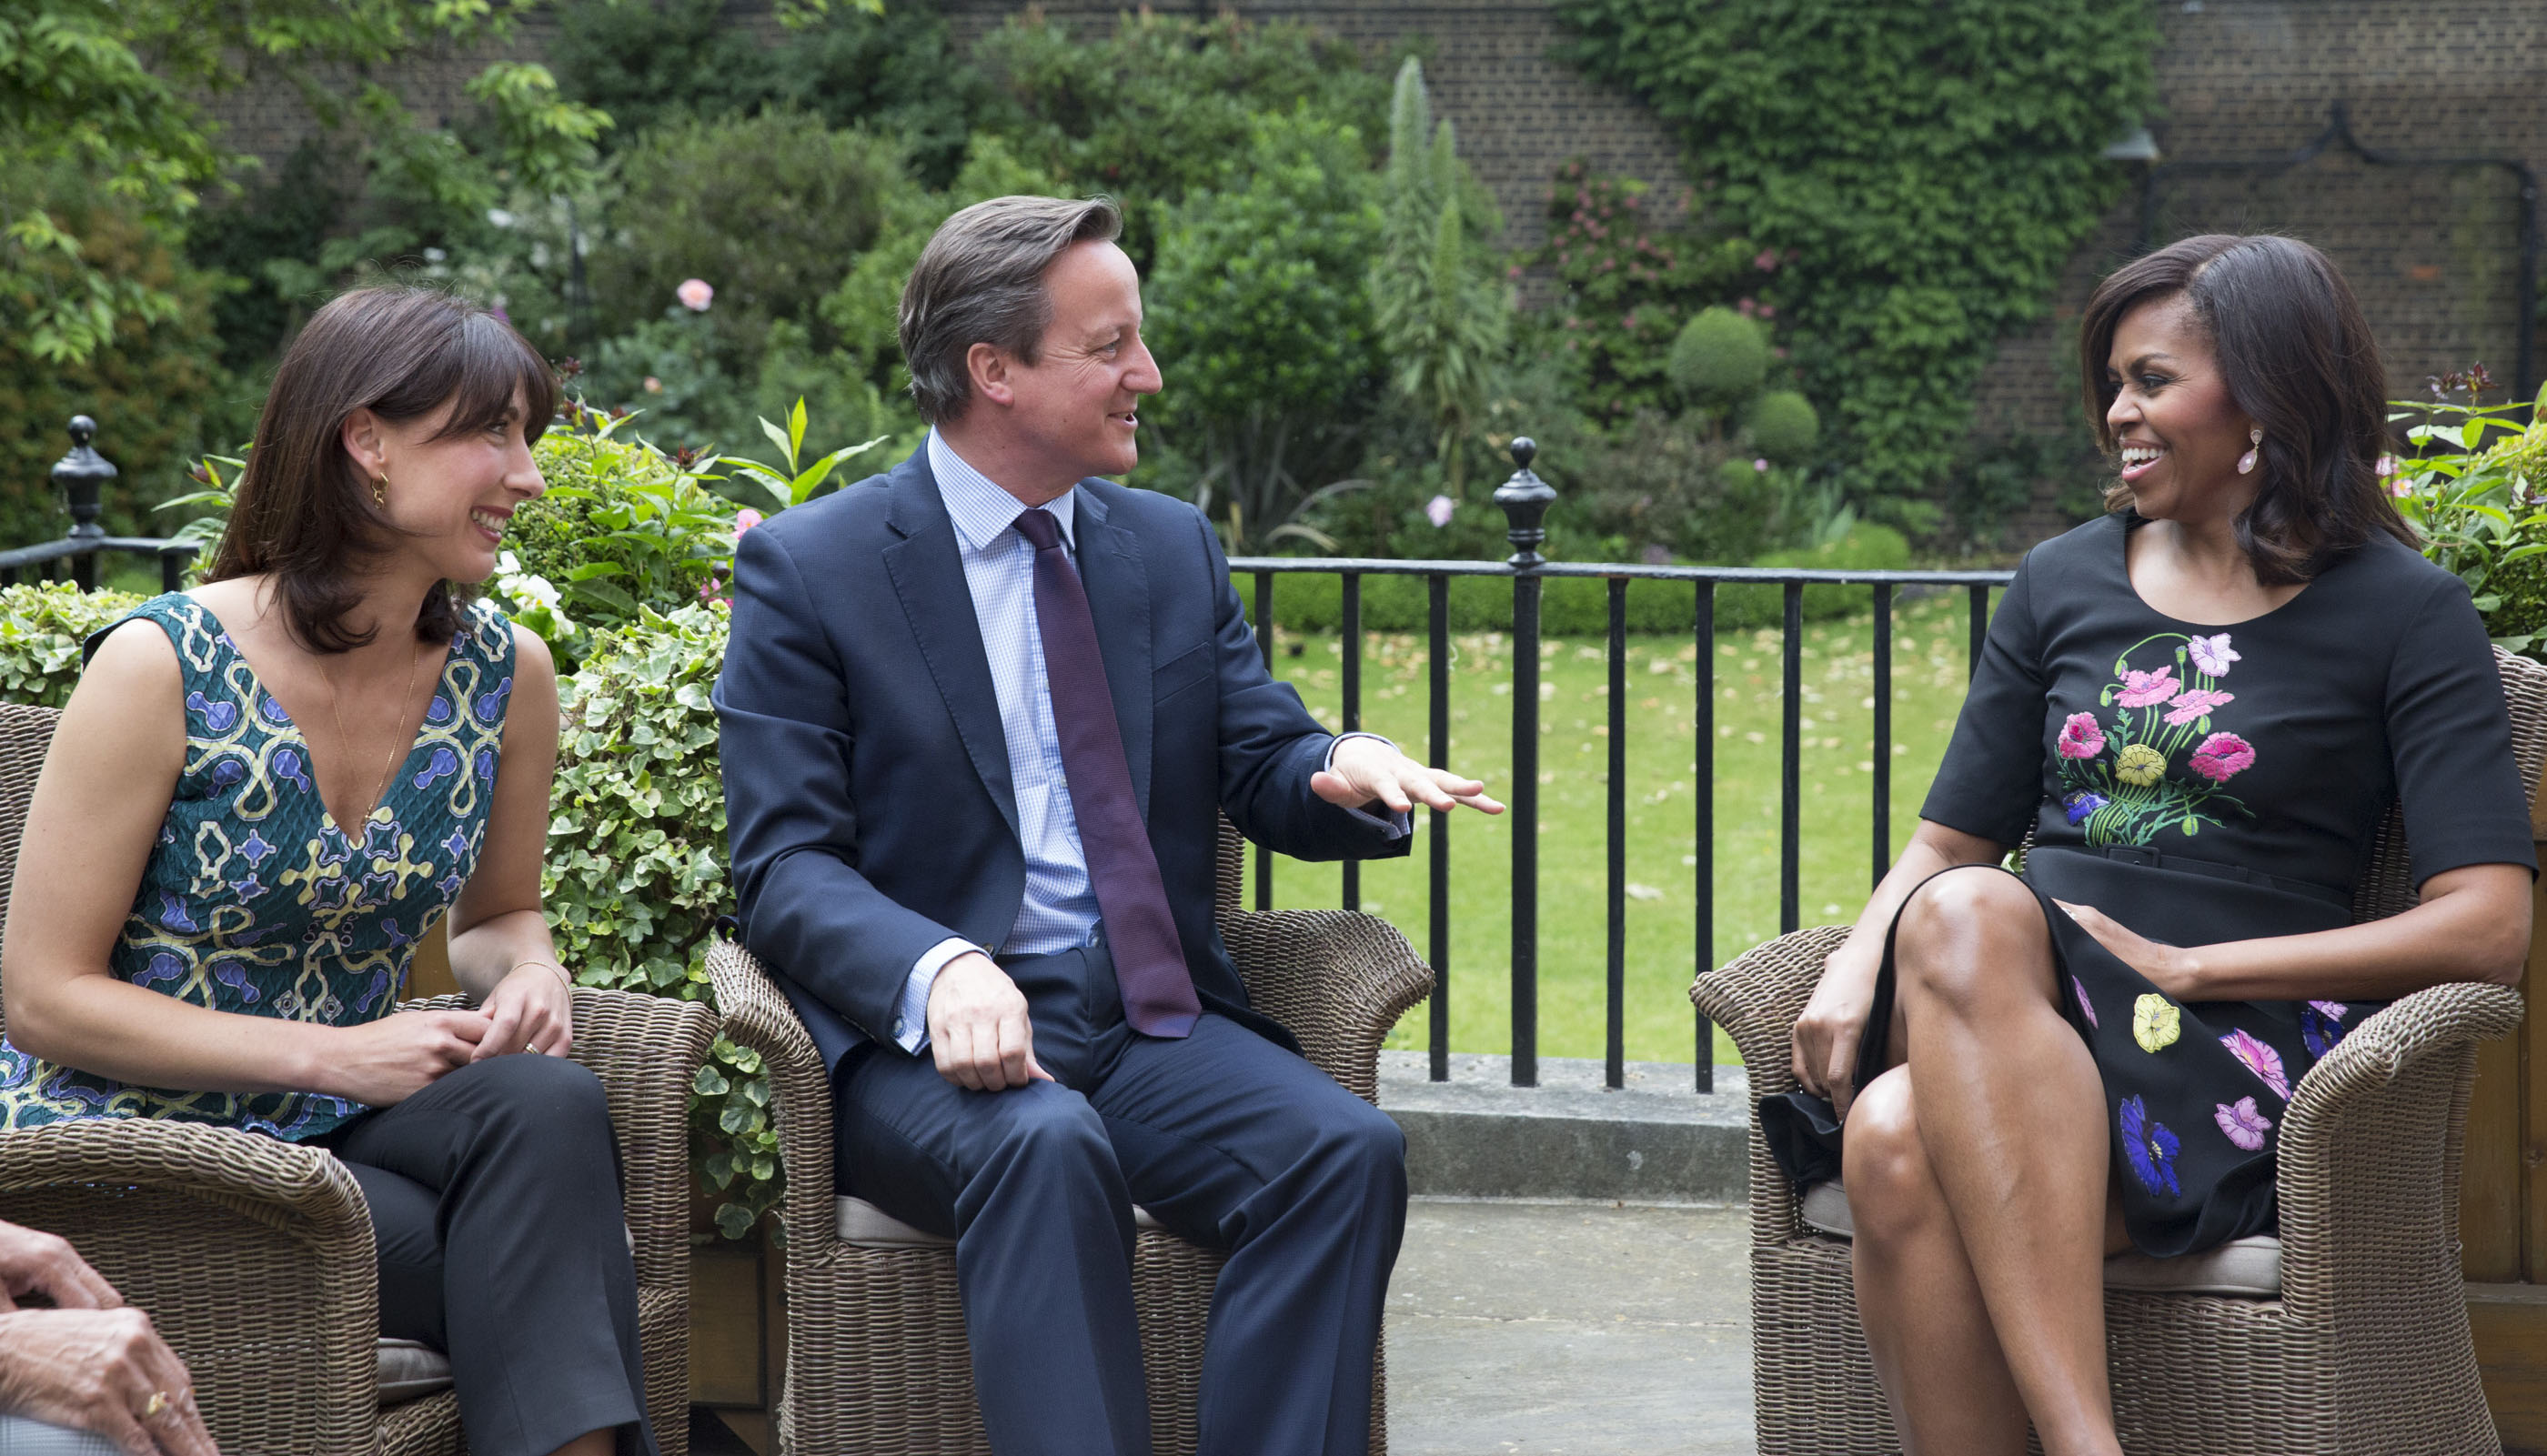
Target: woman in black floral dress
pixel 2202 706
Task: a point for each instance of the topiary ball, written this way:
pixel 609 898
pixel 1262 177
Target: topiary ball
pixel 1719 357
pixel 1784 426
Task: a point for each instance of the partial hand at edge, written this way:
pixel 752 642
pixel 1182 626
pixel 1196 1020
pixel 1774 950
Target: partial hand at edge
pixel 100 1370
pixel 33 1261
pixel 977 1028
pixel 1827 1035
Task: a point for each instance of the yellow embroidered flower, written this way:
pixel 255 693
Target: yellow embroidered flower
pixel 2140 764
pixel 2155 1022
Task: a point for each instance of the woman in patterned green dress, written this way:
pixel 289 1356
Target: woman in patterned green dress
pixel 262 793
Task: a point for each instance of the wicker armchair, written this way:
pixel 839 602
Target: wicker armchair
pixel 876 1358
pixel 254 1256
pixel 2365 1346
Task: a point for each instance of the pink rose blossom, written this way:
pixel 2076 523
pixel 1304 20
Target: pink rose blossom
pixel 2212 655
pixel 2080 737
pixel 1438 510
pixel 2262 1060
pixel 2195 704
pixel 2243 1124
pixel 2222 755
pixel 695 295
pixel 1767 262
pixel 1760 465
pixel 745 519
pixel 2147 689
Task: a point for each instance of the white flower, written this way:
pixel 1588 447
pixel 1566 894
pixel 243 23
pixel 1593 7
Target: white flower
pixel 1438 510
pixel 2212 655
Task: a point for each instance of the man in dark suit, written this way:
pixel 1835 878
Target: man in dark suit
pixel 978 716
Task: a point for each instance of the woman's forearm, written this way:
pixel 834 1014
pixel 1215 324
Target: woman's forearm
pixel 111 1028
pixel 2477 930
pixel 486 952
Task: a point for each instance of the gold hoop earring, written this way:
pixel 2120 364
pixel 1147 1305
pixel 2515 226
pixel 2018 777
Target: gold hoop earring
pixel 381 491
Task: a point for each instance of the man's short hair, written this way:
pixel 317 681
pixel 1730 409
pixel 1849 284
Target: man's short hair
pixel 980 280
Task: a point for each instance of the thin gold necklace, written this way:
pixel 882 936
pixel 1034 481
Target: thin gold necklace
pixel 336 712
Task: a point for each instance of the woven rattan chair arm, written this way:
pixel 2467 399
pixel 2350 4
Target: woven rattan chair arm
pixel 646 1050
pixel 305 1193
pixel 2369 1149
pixel 758 1017
pixel 1337 978
pixel 1757 996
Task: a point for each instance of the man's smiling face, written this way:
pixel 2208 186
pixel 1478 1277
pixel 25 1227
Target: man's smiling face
pixel 1080 400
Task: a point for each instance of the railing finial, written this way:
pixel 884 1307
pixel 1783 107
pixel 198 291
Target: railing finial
pixel 1525 499
pixel 82 474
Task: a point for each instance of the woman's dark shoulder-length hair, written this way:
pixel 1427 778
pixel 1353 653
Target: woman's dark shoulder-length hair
pixel 2299 359
pixel 303 509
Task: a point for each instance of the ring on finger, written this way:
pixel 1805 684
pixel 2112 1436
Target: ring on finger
pixel 155 1407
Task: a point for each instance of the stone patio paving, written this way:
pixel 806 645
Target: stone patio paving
pixel 1570 1330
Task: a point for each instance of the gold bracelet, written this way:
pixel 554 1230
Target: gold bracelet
pixel 552 965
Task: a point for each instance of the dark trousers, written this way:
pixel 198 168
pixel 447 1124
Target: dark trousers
pixel 1228 1140
pixel 495 1207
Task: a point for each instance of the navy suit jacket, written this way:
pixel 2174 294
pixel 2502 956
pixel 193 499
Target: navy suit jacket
pixel 868 804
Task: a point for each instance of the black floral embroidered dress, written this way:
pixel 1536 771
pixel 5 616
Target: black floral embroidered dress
pixel 2204 784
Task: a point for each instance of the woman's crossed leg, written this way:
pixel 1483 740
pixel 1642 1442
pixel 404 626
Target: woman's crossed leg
pixel 1976 1171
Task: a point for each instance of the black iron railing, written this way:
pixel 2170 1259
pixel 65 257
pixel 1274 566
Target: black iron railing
pixel 81 476
pixel 1526 500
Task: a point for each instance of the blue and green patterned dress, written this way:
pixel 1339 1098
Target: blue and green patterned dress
pixel 255 900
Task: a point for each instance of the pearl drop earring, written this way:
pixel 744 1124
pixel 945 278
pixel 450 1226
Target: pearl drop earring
pixel 2246 462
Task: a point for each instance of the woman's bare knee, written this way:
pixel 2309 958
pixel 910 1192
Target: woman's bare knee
pixel 1968 933
pixel 1891 1192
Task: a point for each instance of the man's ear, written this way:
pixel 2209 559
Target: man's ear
pixel 991 367
pixel 366 438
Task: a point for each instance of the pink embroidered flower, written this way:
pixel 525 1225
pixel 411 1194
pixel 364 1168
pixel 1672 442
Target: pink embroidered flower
pixel 2212 655
pixel 2243 1124
pixel 2330 1010
pixel 2080 737
pixel 2262 1060
pixel 2196 703
pixel 2086 1007
pixel 695 293
pixel 2221 755
pixel 2145 689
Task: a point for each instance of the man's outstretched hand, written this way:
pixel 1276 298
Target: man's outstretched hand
pixel 977 1028
pixel 1367 769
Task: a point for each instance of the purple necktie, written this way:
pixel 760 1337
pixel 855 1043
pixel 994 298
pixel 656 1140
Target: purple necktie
pixel 1131 900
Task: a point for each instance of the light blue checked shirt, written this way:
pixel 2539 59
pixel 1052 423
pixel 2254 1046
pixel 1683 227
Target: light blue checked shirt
pixel 1060 909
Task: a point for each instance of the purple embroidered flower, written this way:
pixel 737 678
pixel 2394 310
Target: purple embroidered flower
pixel 2086 1007
pixel 2322 1026
pixel 2262 1060
pixel 2212 655
pixel 2222 755
pixel 2196 704
pixel 2243 1124
pixel 2080 737
pixel 2083 803
pixel 2146 689
pixel 2150 1147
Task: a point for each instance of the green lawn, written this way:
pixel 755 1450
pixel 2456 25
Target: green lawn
pixel 1838 730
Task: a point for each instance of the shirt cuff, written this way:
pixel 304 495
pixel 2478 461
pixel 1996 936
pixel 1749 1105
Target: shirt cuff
pixel 911 1023
pixel 1394 825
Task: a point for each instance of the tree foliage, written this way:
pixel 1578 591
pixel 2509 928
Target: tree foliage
pixel 1925 165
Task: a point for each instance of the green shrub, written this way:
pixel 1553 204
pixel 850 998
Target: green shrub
pixel 1865 548
pixel 635 876
pixel 2473 488
pixel 1783 427
pixel 42 629
pixel 1719 357
pixel 768 209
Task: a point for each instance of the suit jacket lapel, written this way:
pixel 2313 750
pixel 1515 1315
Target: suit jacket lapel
pixel 928 575
pixel 1118 583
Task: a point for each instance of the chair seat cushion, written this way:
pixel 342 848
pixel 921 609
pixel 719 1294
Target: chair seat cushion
pixel 410 1369
pixel 2243 1269
pixel 865 1226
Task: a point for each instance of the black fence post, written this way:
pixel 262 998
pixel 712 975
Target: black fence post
pixel 81 477
pixel 1525 499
